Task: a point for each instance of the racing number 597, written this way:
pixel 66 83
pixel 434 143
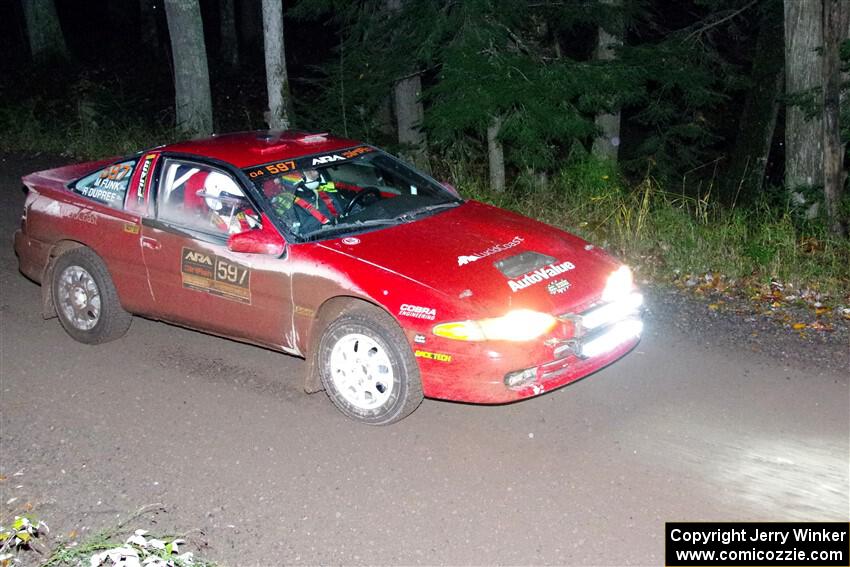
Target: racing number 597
pixel 230 273
pixel 281 167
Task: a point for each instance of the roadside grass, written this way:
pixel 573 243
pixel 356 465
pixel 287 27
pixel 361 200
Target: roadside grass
pixel 669 237
pixel 82 130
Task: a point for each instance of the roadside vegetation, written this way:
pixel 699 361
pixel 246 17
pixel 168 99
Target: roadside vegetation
pixel 673 232
pixel 27 541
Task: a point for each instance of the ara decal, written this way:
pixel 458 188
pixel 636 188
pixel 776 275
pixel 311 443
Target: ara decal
pixel 215 275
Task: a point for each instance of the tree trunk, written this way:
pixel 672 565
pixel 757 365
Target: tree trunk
pixel 43 30
pixel 836 19
pixel 277 82
pixel 193 104
pixel 148 21
pixel 607 143
pixel 409 115
pixel 757 123
pixel 803 73
pixel 497 156
pixel 229 48
pixel 409 112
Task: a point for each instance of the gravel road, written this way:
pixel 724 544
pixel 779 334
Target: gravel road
pixel 704 421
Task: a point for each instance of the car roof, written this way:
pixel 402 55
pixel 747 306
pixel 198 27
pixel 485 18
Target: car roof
pixel 246 149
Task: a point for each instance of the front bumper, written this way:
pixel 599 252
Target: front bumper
pixel 491 373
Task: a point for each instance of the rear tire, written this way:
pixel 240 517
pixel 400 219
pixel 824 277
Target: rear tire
pixel 85 298
pixel 367 368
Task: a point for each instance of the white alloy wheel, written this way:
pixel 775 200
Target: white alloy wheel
pixel 367 367
pixel 361 371
pixel 78 298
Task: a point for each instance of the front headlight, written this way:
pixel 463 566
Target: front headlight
pixel 518 325
pixel 619 285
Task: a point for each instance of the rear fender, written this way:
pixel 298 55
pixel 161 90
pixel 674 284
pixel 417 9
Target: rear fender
pixel 48 309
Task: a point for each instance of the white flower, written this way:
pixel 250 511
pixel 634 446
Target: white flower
pixel 119 556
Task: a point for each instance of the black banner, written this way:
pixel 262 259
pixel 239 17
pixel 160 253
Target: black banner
pixel 805 544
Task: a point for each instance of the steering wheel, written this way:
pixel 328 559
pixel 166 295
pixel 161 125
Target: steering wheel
pixel 361 196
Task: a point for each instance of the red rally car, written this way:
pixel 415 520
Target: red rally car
pixel 389 283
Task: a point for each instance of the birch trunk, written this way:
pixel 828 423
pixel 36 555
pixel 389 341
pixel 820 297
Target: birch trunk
pixel 229 49
pixel 497 156
pixel 277 82
pixel 193 104
pixel 43 30
pixel 607 143
pixel 836 20
pixel 803 72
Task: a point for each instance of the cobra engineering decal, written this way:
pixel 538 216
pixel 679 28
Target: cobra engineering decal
pixel 215 275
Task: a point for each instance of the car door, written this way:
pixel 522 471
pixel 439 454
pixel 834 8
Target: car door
pixel 195 279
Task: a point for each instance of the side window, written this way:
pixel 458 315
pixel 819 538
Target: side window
pixel 107 186
pixel 203 198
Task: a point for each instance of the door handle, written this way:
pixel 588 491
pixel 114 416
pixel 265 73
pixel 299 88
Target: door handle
pixel 152 243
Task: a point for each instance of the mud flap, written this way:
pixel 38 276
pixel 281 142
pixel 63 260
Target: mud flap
pixel 48 310
pixel 312 381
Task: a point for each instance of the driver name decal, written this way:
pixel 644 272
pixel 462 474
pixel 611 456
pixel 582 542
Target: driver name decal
pixel 466 259
pixel 540 275
pixel 215 275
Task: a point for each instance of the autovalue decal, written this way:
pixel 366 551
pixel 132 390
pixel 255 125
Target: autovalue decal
pixel 433 355
pixel 215 275
pixel 417 311
pixel 540 275
pixel 466 259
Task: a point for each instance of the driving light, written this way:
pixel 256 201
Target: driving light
pixel 619 284
pixel 610 312
pixel 518 325
pixel 619 334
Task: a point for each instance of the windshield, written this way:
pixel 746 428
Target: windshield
pixel 348 191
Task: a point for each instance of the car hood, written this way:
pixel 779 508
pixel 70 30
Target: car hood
pixel 489 259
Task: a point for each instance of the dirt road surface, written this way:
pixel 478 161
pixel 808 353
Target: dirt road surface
pixel 684 428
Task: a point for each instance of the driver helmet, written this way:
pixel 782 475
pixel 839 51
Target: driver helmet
pixel 312 179
pixel 220 185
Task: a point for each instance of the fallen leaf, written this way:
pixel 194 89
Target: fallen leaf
pixel 798 326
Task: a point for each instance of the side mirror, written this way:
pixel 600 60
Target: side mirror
pixel 450 188
pixel 264 240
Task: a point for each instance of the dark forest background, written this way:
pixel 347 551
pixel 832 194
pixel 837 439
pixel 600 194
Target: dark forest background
pixel 692 136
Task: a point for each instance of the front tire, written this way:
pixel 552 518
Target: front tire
pixel 367 368
pixel 85 298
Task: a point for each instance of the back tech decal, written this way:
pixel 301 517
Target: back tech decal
pixel 215 275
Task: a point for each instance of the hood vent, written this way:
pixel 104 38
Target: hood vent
pixel 522 263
